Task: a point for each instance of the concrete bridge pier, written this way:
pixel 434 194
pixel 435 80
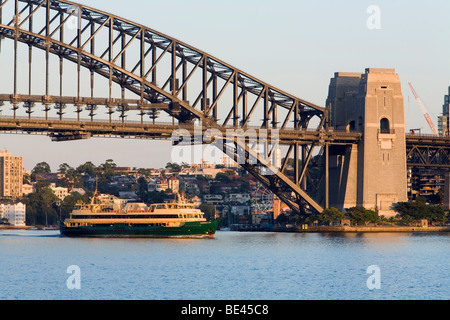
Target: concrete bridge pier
pixel 371 174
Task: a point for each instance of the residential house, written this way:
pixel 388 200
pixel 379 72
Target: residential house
pixel 213 199
pixel 161 184
pixel 174 184
pixel 238 197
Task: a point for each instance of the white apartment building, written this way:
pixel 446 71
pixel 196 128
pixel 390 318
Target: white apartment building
pixel 14 213
pixel 60 192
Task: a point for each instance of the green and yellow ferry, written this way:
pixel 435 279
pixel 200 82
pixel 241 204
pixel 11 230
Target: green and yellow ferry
pixel 160 220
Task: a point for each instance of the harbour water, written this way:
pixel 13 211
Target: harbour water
pixel 38 265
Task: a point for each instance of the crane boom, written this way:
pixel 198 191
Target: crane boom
pixel 424 111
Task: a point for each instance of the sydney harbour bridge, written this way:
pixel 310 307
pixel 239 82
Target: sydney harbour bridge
pixel 93 64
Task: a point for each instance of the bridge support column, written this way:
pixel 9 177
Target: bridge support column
pixel 373 104
pixel 343 167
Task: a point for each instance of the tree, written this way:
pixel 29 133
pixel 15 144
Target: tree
pixel 156 197
pixel 174 166
pixel 64 168
pixel 86 168
pixel 40 206
pixel 371 217
pixel 185 165
pixel 360 215
pixel 436 214
pixel 41 167
pixel 330 215
pixel 69 202
pixel 208 210
pixel 108 168
pixel 143 189
pixel 419 210
pixel 225 176
pixel 145 172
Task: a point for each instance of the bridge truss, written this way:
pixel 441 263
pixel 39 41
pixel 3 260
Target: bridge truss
pixel 136 69
pixel 428 151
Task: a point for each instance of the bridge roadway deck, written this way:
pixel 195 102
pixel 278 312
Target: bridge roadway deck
pixel 427 140
pixel 73 129
pixel 164 131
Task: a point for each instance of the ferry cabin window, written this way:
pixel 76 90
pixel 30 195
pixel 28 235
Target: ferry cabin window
pixel 160 206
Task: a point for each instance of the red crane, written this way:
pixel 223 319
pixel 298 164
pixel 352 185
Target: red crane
pixel 424 111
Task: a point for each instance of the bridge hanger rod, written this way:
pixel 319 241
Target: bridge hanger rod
pixel 16 39
pixel 133 28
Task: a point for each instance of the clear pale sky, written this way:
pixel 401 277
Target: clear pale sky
pixel 294 45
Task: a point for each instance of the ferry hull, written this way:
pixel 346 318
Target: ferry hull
pixel 188 230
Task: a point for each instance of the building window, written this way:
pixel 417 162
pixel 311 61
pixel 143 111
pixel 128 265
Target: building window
pixel 384 126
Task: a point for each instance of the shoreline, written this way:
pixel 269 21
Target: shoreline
pixel 3 227
pixel 321 229
pixel 41 228
pixel 346 229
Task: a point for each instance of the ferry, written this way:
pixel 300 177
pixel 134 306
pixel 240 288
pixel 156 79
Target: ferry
pixel 177 219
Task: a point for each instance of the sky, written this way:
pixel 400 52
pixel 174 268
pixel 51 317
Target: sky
pixel 294 45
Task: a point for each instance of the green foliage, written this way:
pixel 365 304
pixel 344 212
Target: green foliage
pixel 208 210
pixel 41 167
pixel 40 206
pixel 360 215
pixel 225 176
pixel 330 215
pixel 70 201
pixel 156 197
pixel 108 170
pixel 173 166
pixel 143 189
pixel 418 210
pixel 64 168
pixel 87 168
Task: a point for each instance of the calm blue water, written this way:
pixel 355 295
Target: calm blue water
pixel 243 266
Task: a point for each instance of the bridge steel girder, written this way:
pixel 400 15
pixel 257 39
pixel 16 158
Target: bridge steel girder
pixel 425 151
pixel 163 75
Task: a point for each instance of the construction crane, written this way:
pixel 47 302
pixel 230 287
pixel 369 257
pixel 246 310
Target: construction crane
pixel 424 111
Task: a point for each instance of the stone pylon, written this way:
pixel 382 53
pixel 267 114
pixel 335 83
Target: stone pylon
pixel 373 173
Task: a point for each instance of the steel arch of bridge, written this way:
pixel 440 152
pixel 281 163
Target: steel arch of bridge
pixel 163 75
